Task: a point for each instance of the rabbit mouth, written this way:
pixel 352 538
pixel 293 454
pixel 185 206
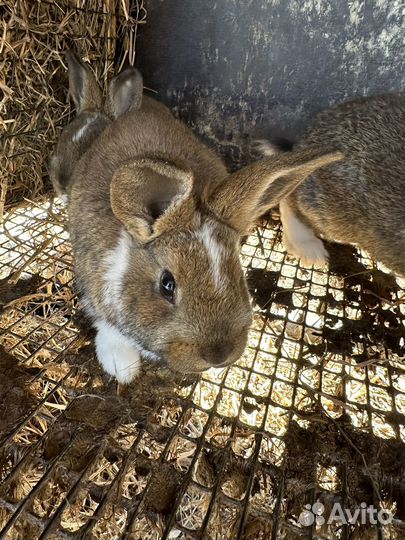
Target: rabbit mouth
pixel 193 363
pixel 179 364
pixel 186 358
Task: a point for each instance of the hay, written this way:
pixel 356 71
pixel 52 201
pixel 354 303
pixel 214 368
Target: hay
pixel 33 81
pixel 313 408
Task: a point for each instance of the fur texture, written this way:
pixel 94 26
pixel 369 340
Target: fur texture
pixel 116 353
pixel 146 197
pixel 300 239
pixel 360 200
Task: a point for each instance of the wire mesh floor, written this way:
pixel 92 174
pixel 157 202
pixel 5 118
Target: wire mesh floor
pixel 312 414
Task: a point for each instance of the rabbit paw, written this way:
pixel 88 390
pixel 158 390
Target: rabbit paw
pixel 300 240
pixel 311 252
pixel 116 353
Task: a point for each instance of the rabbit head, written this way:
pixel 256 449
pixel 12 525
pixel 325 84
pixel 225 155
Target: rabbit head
pixel 92 115
pixel 173 282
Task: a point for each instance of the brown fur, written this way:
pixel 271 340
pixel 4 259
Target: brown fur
pixel 148 183
pixel 360 200
pixel 93 116
pixel 166 185
pixel 249 189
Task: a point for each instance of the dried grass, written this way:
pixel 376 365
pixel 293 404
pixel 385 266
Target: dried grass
pixel 33 89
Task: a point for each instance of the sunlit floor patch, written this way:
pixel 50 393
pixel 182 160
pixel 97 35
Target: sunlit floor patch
pixel 314 410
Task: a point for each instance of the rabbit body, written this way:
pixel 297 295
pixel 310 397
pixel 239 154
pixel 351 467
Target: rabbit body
pixel 155 223
pixel 360 200
pixel 150 132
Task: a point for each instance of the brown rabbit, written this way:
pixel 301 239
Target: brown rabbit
pixel 360 200
pixel 155 224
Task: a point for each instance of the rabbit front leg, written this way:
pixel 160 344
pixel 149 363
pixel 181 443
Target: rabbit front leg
pixel 116 353
pixel 299 239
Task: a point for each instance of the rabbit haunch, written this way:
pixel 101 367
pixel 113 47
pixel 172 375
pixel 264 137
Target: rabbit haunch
pixel 360 200
pixel 155 223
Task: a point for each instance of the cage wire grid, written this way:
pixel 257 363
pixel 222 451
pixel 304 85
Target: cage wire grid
pixel 313 411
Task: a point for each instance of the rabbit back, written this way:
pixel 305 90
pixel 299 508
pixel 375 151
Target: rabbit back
pixel 360 200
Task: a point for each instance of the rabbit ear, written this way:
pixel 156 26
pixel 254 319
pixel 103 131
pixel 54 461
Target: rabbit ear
pixel 125 92
pixel 150 197
pixel 248 193
pixel 83 86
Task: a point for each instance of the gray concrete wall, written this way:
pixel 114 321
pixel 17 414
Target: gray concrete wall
pixel 237 69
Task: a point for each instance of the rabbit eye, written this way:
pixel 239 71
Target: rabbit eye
pixel 167 286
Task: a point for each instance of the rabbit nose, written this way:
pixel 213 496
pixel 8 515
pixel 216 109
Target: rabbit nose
pixel 216 353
